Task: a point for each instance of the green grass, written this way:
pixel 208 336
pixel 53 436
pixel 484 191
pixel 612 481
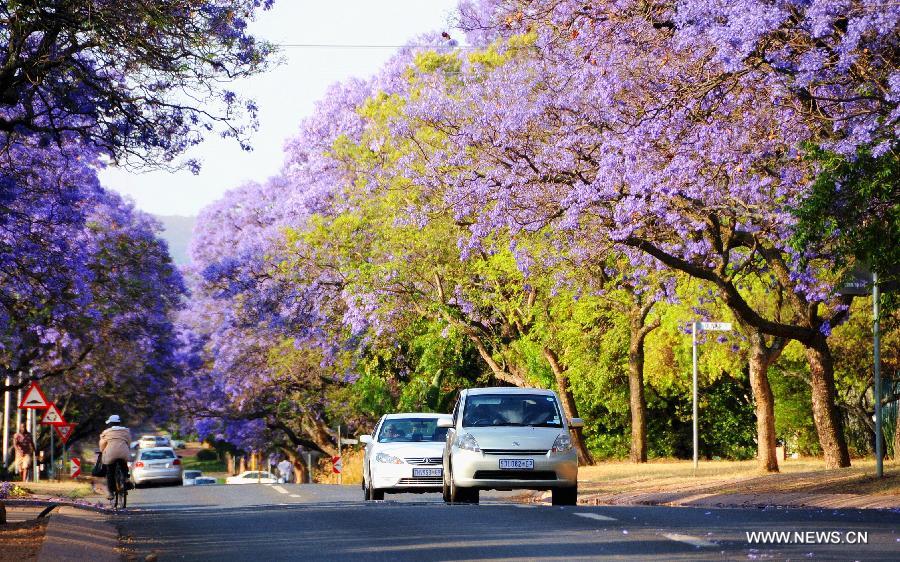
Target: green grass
pixel 191 463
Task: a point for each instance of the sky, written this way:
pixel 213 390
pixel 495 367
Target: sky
pixel 286 93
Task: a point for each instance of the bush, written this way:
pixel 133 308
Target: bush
pixel 207 455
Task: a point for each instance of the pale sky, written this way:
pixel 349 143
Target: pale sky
pixel 286 93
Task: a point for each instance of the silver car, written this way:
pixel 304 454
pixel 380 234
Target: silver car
pixel 157 464
pixel 509 439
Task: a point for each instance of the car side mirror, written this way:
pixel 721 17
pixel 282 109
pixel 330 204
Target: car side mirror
pixel 445 422
pixel 576 423
pixel 365 438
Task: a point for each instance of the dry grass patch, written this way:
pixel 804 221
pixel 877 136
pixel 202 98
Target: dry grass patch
pixel 66 489
pixel 722 477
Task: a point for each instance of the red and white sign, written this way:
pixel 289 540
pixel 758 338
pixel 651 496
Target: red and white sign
pixel 34 398
pixel 76 467
pixel 64 431
pixel 53 416
pixel 337 464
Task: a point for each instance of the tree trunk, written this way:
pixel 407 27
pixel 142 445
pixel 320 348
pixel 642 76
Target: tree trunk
pixel 760 359
pixel 897 439
pixel 637 403
pixel 827 418
pixel 570 408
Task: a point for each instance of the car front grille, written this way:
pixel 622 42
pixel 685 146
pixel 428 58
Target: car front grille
pixel 424 460
pixel 529 452
pixel 515 475
pixel 433 480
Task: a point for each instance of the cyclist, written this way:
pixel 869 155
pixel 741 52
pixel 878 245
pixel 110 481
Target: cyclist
pixel 115 444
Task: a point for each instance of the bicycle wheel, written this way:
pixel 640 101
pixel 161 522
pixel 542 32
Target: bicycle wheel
pixel 121 488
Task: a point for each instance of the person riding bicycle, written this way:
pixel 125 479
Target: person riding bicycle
pixel 115 444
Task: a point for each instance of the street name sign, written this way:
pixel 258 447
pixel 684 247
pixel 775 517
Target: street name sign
pixel 715 326
pixel 349 441
pixel 53 416
pixel 34 398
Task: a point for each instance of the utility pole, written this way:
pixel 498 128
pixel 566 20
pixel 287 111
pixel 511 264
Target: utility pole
pixel 694 397
pixel 7 383
pixel 876 332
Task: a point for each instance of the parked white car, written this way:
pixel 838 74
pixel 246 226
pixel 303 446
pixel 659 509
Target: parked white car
pixel 403 454
pixel 253 477
pixel 509 439
pixel 189 477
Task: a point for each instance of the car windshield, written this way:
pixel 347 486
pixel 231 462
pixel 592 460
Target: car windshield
pixel 157 455
pixel 411 430
pixel 537 410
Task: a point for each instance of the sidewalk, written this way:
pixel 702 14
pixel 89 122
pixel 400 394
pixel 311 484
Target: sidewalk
pixel 78 534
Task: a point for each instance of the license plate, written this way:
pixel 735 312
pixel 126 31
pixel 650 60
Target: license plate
pixel 517 464
pixel 419 472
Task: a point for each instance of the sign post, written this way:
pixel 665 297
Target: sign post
pixel 876 341
pixel 53 417
pixel 857 284
pixel 339 465
pixel 711 327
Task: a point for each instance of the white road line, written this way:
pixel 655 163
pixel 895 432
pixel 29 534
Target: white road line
pixel 688 539
pixel 295 495
pixel 279 489
pixel 595 516
pixel 525 505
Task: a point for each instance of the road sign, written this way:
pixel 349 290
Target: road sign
pixel 34 398
pixel 64 431
pixel 349 441
pixel 715 326
pixel 53 416
pixel 337 464
pixel 76 467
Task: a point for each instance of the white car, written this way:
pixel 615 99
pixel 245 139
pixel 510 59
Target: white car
pixel 253 477
pixel 403 454
pixel 189 477
pixel 509 439
pixel 156 465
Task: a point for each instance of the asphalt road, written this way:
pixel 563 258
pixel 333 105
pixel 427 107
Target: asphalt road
pixel 262 522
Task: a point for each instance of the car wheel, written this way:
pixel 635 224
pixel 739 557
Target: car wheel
pixel 445 490
pixel 565 496
pixel 366 492
pixel 375 494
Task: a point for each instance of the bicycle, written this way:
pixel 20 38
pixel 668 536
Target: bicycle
pixel 121 487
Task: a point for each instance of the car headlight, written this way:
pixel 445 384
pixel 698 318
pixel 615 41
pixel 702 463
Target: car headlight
pixel 388 459
pixel 563 443
pixel 467 441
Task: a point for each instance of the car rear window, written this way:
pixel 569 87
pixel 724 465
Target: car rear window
pixel 157 455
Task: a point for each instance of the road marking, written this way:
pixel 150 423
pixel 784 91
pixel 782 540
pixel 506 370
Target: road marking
pixel 279 489
pixel 295 495
pixel 595 516
pixel 688 539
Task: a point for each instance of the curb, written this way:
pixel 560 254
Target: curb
pixel 740 501
pixel 58 503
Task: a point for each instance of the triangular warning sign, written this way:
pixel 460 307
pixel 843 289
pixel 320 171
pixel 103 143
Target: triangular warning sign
pixel 34 398
pixel 53 416
pixel 64 431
